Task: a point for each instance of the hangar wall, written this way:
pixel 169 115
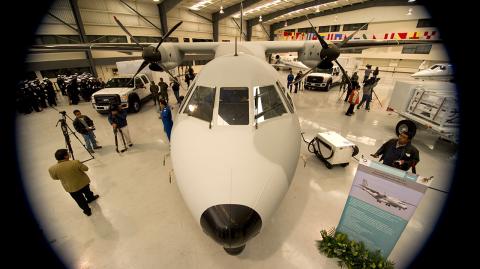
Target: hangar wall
pixel 385 22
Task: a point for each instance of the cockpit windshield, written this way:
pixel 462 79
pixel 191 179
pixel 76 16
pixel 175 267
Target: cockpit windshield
pixel 119 82
pixel 267 103
pixel 201 103
pixel 233 106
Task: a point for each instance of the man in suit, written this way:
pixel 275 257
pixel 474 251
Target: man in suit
pixel 74 180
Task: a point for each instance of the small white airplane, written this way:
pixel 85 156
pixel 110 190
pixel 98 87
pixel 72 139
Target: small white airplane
pixel 441 71
pixel 287 62
pixel 383 198
pixel 235 142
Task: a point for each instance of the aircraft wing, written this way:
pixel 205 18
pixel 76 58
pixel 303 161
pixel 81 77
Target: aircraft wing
pixel 87 46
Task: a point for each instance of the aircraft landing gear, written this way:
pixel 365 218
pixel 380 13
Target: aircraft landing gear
pixel 234 251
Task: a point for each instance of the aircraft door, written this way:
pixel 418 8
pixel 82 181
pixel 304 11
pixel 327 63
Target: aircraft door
pixel 140 88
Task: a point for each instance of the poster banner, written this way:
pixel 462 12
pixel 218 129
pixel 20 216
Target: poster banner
pixel 381 202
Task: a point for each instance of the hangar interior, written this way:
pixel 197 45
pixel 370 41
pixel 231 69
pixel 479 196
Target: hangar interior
pixel 141 219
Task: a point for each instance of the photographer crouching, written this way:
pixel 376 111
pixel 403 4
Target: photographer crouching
pixel 84 125
pixel 399 153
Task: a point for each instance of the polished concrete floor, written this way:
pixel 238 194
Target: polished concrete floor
pixel 141 221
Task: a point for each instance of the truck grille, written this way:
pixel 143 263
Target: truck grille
pixel 312 79
pixel 103 100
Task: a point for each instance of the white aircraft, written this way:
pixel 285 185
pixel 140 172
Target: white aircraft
pixel 383 198
pixel 235 142
pixel 442 72
pixel 287 62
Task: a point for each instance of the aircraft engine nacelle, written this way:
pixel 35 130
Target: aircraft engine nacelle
pixel 167 55
pixel 310 54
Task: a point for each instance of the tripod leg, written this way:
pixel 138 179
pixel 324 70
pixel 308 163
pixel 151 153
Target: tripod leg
pixel 377 98
pixel 123 140
pixel 116 140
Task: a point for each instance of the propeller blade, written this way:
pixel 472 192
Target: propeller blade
pixel 324 44
pixel 350 36
pixel 171 75
pixel 126 31
pixel 144 63
pixel 168 34
pixel 306 73
pixel 344 73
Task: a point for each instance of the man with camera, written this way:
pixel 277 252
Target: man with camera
pixel 74 180
pixel 118 119
pixel 399 153
pixel 84 125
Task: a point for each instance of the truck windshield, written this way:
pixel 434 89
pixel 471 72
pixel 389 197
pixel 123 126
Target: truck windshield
pixel 119 82
pixel 326 71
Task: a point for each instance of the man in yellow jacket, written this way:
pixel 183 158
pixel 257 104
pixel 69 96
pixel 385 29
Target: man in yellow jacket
pixel 74 180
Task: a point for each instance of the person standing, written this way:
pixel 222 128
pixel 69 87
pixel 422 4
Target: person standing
pixel 118 119
pixel 74 180
pixel 154 90
pixel 375 72
pixel 368 71
pixel 163 90
pixel 166 115
pixel 290 79
pixel 344 82
pixel 187 80
pixel 353 99
pixel 399 153
pixel 354 83
pixel 84 125
pixel 297 78
pixel 176 90
pixel 51 94
pixel 367 93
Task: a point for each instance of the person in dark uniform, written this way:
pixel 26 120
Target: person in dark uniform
pixel 51 94
pixel 399 153
pixel 354 84
pixel 163 90
pixel 375 72
pixel 176 90
pixel 154 91
pixel 31 98
pixel 72 91
pixel 166 115
pixel 61 84
pixel 74 180
pixel 187 79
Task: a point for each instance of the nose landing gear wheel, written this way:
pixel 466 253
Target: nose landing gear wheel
pixel 234 251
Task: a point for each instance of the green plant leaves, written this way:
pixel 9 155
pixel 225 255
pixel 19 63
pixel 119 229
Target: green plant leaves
pixel 352 254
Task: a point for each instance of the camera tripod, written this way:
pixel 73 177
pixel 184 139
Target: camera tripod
pixel 66 131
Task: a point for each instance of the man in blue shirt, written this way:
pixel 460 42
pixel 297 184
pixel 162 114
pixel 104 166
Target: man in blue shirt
pixel 399 153
pixel 118 119
pixel 166 115
pixel 290 80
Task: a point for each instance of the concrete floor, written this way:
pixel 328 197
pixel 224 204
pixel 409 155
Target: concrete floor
pixel 141 221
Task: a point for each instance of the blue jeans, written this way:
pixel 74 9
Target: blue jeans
pixel 90 140
pixel 367 98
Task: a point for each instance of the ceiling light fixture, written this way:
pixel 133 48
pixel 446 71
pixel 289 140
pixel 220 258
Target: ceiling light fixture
pixel 411 1
pixel 201 5
pixel 409 12
pixel 221 10
pixel 286 24
pixel 317 9
pixel 260 19
pixel 156 0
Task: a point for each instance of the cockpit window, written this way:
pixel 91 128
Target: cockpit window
pixel 233 106
pixel 192 86
pixel 267 103
pixel 200 104
pixel 288 99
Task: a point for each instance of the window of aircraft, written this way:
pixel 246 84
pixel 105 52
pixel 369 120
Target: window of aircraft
pixel 285 96
pixel 437 66
pixel 422 23
pixel 324 29
pixel 200 104
pixel 189 91
pixel 233 106
pixel 118 82
pixel 201 40
pixel 334 28
pixel 267 103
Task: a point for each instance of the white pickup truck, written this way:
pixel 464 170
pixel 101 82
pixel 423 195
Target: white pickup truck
pixel 323 79
pixel 117 92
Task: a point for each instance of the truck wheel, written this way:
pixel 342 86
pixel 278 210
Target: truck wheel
pixel 406 126
pixel 134 104
pixel 327 88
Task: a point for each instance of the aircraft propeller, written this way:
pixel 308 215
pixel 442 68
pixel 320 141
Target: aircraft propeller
pixel 329 54
pixel 151 56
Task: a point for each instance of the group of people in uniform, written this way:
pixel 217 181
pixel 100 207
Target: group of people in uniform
pixel 33 95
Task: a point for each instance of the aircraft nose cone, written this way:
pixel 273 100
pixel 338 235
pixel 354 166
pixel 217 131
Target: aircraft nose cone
pixel 231 225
